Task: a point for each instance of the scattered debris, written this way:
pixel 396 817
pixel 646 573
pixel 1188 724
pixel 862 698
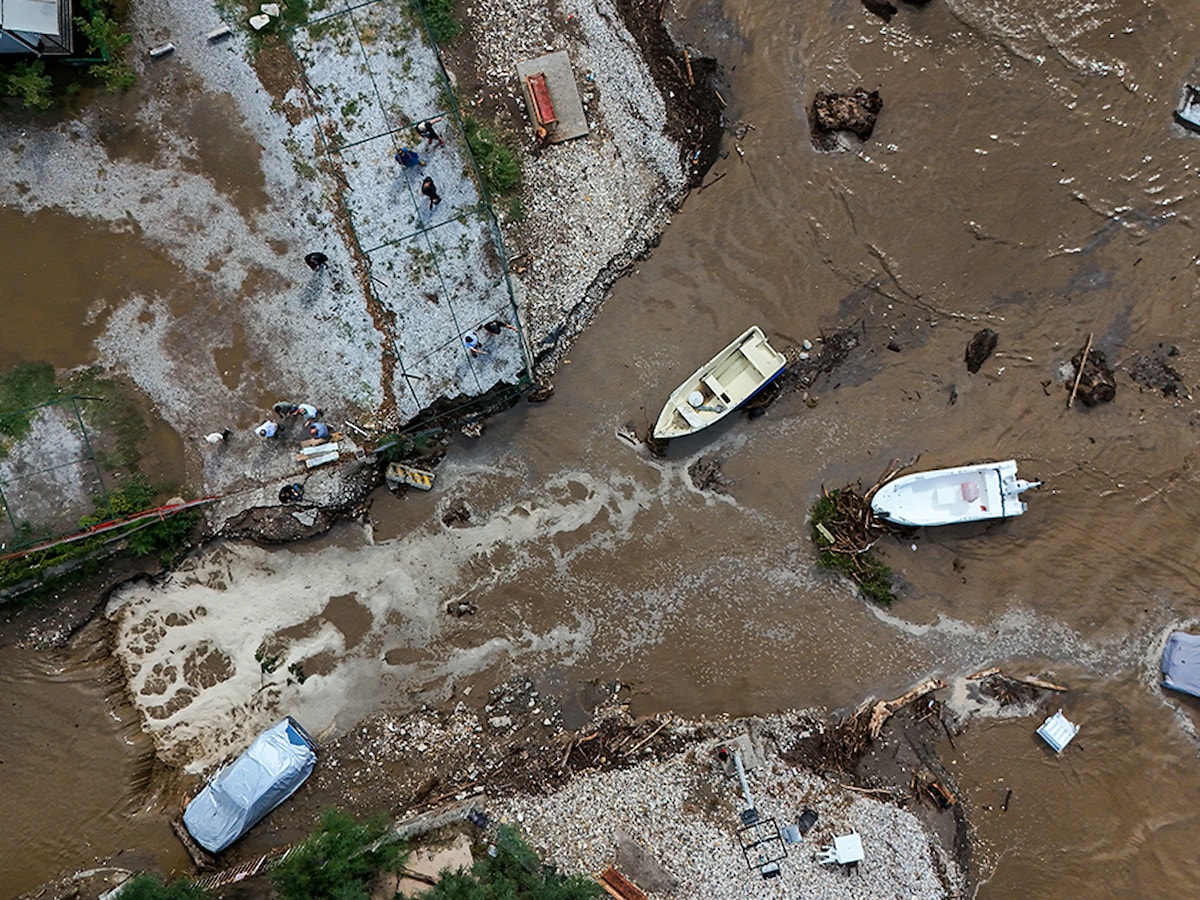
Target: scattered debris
pixel 1094 382
pixel 460 608
pixel 980 347
pixel 1008 690
pixel 1152 371
pixel 706 475
pixel 457 513
pixel 473 429
pixel 1058 731
pixel 540 392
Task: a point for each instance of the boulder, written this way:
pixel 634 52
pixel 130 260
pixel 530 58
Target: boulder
pixel 854 112
pixel 982 345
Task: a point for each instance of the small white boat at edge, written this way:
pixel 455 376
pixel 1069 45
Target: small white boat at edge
pixel 950 496
pixel 721 385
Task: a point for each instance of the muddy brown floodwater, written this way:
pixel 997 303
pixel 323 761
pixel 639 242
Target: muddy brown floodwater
pixel 1024 176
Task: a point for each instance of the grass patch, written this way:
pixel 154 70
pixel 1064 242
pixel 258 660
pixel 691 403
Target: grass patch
pixel 844 543
pixel 499 165
pixel 439 19
pixel 22 390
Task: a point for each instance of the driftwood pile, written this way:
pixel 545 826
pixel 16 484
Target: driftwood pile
pixel 849 739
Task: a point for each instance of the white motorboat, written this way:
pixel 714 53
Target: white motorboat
pixel 950 496
pixel 721 385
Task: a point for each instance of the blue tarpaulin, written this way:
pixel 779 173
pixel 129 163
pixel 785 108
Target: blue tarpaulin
pixel 1181 663
pixel 270 770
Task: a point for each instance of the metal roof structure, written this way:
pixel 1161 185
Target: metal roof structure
pixel 42 27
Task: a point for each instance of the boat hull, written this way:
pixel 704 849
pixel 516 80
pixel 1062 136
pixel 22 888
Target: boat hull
pixel 723 384
pixel 952 496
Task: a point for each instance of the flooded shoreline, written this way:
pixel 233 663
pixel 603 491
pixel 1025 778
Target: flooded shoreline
pixel 1025 176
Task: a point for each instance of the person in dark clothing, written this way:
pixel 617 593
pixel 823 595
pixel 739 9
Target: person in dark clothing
pixel 316 261
pixel 496 326
pixel 429 189
pixel 408 158
pixel 426 130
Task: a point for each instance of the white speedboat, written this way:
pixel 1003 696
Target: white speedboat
pixel 949 496
pixel 721 385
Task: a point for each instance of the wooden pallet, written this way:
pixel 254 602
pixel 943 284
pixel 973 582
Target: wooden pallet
pixel 617 885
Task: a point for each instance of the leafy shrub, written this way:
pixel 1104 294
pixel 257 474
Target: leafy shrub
pixel 338 861
pixel 514 873
pixel 499 166
pixel 108 41
pixel 29 82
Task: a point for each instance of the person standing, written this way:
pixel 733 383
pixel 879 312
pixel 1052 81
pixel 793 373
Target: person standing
pixel 316 261
pixel 408 158
pixel 496 326
pixel 471 342
pixel 318 430
pixel 426 130
pixel 429 189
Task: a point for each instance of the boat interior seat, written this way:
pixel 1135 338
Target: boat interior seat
pixel 690 416
pixel 710 382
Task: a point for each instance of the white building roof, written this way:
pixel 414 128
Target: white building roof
pixel 36 16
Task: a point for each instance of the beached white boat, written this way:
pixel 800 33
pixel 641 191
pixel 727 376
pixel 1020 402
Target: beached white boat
pixel 721 385
pixel 949 496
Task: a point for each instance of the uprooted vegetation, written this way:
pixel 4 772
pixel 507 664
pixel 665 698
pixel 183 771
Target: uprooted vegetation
pixel 845 530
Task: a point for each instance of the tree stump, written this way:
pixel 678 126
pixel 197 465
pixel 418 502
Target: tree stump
pixel 1096 383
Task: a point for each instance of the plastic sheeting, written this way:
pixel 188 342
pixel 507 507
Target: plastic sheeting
pixel 270 770
pixel 1181 663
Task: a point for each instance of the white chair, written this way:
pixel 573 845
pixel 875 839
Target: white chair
pixel 827 856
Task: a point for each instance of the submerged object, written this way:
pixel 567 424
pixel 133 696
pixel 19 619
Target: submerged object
pixel 1057 731
pixel 721 385
pixel 950 496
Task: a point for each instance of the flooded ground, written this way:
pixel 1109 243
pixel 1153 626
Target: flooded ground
pixel 1025 176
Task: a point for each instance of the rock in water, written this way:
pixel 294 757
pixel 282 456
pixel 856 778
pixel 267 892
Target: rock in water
pixel 881 8
pixel 855 112
pixel 1096 384
pixel 980 348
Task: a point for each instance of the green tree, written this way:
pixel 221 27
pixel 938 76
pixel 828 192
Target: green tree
pixel 106 38
pixel 29 82
pixel 514 873
pixel 338 861
pixel 151 887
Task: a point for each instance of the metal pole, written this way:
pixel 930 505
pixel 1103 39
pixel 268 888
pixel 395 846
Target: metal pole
pixel 737 761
